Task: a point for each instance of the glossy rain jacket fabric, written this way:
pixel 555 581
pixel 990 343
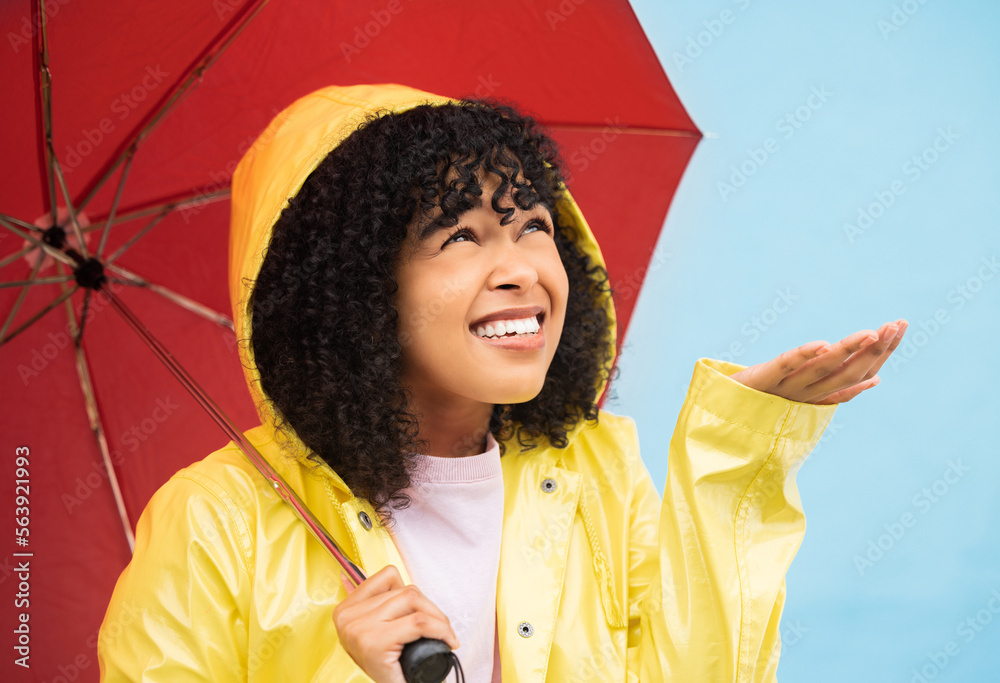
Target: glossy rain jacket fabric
pixel 599 580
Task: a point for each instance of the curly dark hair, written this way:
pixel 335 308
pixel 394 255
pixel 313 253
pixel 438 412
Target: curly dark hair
pixel 324 328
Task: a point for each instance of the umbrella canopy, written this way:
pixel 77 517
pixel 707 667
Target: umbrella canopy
pixel 149 106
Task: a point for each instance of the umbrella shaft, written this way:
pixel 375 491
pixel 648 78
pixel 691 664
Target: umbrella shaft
pixel 280 486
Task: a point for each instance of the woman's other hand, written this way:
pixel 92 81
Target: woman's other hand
pixel 380 616
pixel 823 374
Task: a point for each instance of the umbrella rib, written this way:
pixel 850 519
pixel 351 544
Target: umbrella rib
pixel 17 256
pixel 97 427
pixel 135 238
pixel 170 295
pixel 74 331
pixel 48 249
pixel 23 224
pixel 45 94
pixel 196 199
pixel 195 73
pixel 37 281
pixel 624 129
pixel 58 300
pixel 20 300
pixel 69 203
pixel 114 204
pixel 51 162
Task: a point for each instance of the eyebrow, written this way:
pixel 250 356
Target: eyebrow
pixel 438 224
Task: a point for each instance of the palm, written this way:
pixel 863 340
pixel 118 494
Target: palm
pixel 822 374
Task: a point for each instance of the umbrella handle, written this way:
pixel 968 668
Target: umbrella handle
pixel 427 660
pixel 424 660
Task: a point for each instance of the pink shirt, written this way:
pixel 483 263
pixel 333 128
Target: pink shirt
pixel 449 539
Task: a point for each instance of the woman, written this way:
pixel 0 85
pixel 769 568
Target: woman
pixel 429 328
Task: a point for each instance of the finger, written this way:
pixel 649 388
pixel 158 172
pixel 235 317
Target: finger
pixel 407 601
pixel 845 395
pixel 384 642
pixel 901 326
pixel 390 606
pixel 420 625
pixel 855 369
pixel 379 584
pixel 769 375
pixel 801 384
pixel 385 579
pixel 410 609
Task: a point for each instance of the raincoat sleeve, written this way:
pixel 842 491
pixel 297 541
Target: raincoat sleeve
pixel 707 584
pixel 178 612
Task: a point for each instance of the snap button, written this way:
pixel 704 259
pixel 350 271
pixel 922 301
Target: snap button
pixel 549 485
pixel 525 630
pixel 366 521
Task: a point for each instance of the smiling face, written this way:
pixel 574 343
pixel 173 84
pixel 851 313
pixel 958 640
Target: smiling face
pixel 481 306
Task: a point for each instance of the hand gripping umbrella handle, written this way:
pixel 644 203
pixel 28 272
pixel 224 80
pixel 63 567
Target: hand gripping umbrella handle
pixel 423 661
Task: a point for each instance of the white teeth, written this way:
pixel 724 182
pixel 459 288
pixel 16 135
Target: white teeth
pixel 499 328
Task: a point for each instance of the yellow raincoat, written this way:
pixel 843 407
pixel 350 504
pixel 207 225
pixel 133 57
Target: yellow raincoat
pixel 227 584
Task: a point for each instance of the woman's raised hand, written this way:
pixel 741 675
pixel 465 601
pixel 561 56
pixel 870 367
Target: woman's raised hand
pixel 380 616
pixel 823 374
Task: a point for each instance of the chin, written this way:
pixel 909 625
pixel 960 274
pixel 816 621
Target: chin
pixel 519 394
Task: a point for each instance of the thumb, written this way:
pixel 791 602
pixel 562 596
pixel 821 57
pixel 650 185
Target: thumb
pixel 348 585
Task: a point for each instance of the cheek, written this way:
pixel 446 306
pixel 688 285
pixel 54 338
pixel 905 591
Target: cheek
pixel 430 310
pixel 557 283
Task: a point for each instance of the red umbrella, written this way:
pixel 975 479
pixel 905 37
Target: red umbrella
pixel 148 107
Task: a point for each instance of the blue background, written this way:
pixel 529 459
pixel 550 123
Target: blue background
pixel 899 77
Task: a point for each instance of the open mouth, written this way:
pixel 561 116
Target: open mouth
pixel 515 327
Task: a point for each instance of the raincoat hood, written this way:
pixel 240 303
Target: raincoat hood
pixel 278 164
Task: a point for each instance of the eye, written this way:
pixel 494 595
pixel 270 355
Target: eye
pixel 538 223
pixel 462 234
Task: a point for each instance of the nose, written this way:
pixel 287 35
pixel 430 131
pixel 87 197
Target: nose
pixel 512 269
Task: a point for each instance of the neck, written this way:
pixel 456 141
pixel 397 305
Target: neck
pixel 453 431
